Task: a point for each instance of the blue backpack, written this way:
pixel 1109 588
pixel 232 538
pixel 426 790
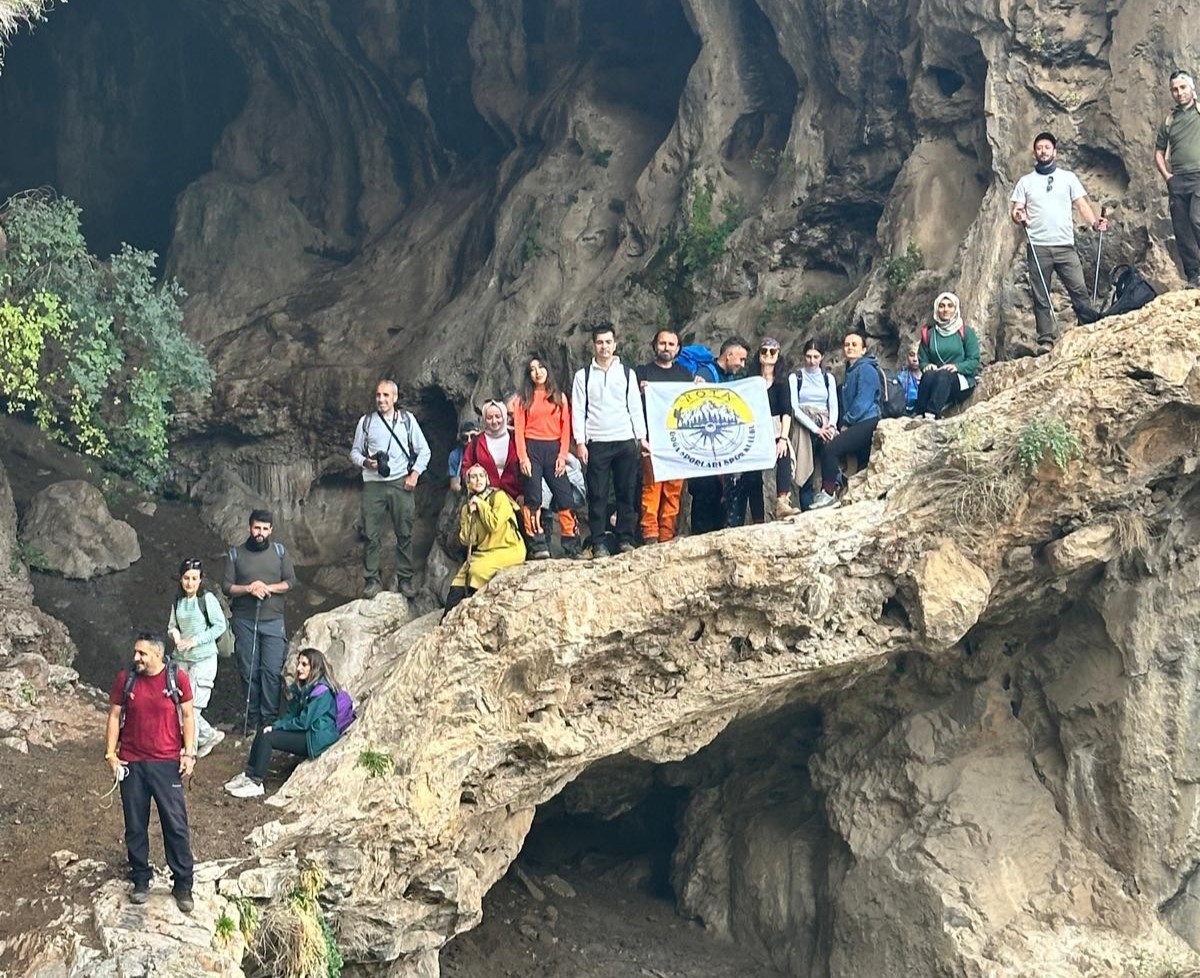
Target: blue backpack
pixel 696 356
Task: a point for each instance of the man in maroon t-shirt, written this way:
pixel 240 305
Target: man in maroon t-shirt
pixel 157 750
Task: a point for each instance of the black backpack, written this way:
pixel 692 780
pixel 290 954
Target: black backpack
pixel 172 690
pixel 1130 290
pixel 892 398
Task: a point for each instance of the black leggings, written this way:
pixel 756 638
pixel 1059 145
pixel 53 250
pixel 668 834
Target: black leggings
pixel 939 389
pixel 542 456
pixel 292 741
pixel 856 441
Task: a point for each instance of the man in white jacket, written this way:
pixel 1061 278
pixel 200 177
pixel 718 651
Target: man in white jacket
pixel 609 429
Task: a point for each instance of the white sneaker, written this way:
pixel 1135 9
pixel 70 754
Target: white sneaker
pixel 205 747
pixel 822 499
pixel 251 789
pixel 236 781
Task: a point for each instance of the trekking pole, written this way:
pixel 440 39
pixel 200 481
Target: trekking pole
pixel 253 668
pixel 1045 285
pixel 1099 250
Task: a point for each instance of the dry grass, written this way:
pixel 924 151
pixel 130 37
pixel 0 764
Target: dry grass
pixel 16 13
pixel 1132 529
pixel 291 939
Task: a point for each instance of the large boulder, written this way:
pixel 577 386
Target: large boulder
pixel 69 528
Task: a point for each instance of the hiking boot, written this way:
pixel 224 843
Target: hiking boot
pixel 236 781
pixel 628 547
pixel 408 588
pixel 183 900
pixel 649 541
pixel 204 748
pixel 600 550
pixel 571 549
pixel 541 553
pixel 1043 349
pixel 140 894
pixel 248 789
pixel 372 589
pixel 1194 281
pixel 784 508
pixel 822 499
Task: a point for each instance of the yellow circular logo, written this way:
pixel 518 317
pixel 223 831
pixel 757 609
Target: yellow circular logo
pixel 711 426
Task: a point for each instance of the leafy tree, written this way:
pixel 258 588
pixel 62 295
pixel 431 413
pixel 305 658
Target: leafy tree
pixel 94 351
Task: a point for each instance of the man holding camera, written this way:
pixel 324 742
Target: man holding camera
pixel 392 452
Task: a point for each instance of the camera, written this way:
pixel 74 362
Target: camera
pixel 384 469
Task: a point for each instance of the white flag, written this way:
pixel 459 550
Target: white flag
pixel 709 429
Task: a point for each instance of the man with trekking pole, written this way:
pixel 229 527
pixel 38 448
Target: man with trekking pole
pixel 1177 157
pixel 1042 203
pixel 257 575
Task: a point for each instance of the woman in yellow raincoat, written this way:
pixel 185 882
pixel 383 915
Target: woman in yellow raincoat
pixel 488 528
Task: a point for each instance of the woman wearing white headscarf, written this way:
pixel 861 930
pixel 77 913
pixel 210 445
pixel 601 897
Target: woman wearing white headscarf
pixel 949 359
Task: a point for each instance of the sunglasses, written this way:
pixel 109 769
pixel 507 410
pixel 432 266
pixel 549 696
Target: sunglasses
pixel 1050 183
pixel 193 564
pixel 768 351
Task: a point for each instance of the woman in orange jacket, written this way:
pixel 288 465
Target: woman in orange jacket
pixel 542 418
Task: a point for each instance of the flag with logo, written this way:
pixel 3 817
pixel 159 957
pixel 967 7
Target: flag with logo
pixel 709 429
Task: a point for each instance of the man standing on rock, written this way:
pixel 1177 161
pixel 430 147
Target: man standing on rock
pixel 609 427
pixel 391 450
pixel 1177 156
pixel 660 500
pixel 150 747
pixel 257 576
pixel 1042 203
pixel 708 491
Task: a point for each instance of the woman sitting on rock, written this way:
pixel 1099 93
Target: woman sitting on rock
pixel 195 623
pixel 308 728
pixel 815 409
pixel 949 359
pixel 488 529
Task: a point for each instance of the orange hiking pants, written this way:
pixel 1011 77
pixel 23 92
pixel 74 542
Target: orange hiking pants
pixel 660 505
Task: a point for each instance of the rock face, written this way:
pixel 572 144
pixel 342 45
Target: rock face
pixel 70 528
pixel 346 191
pixel 915 734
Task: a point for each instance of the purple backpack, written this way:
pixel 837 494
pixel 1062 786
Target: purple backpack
pixel 344 712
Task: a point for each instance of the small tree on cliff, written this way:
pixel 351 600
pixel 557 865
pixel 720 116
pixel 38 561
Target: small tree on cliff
pixel 94 351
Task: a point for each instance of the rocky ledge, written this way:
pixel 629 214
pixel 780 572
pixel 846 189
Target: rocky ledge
pixel 945 728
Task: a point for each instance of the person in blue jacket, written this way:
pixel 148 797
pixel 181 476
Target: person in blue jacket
pixel 307 729
pixel 862 395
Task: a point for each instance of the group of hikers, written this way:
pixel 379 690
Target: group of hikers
pixel 568 452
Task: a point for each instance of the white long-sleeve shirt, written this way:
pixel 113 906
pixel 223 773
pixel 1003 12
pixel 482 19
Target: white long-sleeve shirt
pixel 813 389
pixel 371 436
pixel 610 408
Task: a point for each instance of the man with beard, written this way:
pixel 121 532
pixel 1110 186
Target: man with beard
pixel 707 491
pixel 1177 157
pixel 257 576
pixel 1042 202
pixel 660 500
pixel 150 747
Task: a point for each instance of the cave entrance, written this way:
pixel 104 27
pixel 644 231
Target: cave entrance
pixel 118 105
pixel 716 866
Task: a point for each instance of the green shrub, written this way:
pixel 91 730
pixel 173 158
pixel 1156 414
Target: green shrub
pixel 226 927
pixel 377 763
pixel 1047 435
pixel 702 240
pixel 902 268
pixel 94 352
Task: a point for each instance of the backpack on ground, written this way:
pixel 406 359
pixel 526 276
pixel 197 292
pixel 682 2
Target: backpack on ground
pixel 695 356
pixel 1130 290
pixel 344 714
pixel 893 400
pixel 172 690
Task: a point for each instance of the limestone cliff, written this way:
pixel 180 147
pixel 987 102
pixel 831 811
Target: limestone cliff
pixel 433 190
pixel 945 728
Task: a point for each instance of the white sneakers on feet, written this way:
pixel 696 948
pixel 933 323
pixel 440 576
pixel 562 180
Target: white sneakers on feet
pixel 205 747
pixel 822 499
pixel 236 781
pixel 250 789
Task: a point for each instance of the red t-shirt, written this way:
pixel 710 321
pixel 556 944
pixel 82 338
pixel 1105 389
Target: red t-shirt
pixel 151 731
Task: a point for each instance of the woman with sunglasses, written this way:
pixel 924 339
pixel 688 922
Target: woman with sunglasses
pixel 770 365
pixel 194 625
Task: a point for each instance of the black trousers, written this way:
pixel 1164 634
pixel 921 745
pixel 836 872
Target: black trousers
pixel 161 781
pixel 1183 196
pixel 748 491
pixel 708 512
pixel 939 389
pixel 292 741
pixel 856 441
pixel 615 463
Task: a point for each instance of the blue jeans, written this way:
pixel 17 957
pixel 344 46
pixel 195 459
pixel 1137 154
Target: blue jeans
pixel 260 651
